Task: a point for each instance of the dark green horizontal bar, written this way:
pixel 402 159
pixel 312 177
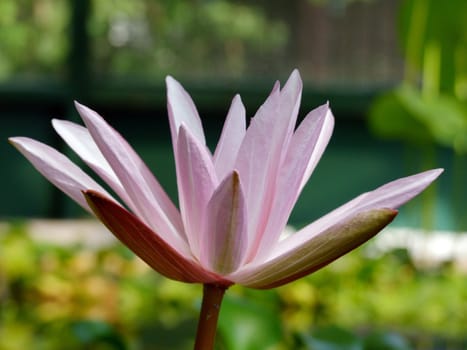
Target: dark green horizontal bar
pixel 210 96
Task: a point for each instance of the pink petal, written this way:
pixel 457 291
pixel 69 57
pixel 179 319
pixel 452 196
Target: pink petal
pixel 335 241
pixel 231 138
pixel 152 203
pixel 196 179
pixel 262 151
pixel 398 192
pixel 58 169
pixel 147 244
pixel 224 241
pixel 305 150
pixel 257 164
pixel 290 99
pixel 391 195
pixel 321 142
pixel 80 141
pixel 182 110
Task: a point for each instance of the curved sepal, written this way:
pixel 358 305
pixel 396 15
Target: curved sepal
pixel 147 244
pixel 316 253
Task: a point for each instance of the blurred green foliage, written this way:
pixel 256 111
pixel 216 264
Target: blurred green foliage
pixel 55 297
pixel 142 38
pixel 33 37
pixel 211 39
pixel 428 109
pixel 430 106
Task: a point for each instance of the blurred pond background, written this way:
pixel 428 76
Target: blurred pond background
pixel 395 74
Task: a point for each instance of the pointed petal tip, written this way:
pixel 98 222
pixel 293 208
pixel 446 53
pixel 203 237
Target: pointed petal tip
pixel 20 142
pixel 16 142
pixel 83 110
pixel 391 213
pixel 235 176
pixel 296 84
pixel 237 98
pixel 91 193
pixel 295 74
pixel 324 113
pixel 326 107
pixel 186 133
pixel 183 130
pixel 276 87
pixel 225 227
pixel 169 80
pixel 173 85
pixel 78 105
pixel 92 196
pixel 437 172
pixel 428 176
pixel 58 123
pixel 181 108
pixel 12 140
pixel 88 115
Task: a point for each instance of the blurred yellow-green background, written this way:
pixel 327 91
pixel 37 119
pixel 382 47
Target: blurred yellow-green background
pixel 395 74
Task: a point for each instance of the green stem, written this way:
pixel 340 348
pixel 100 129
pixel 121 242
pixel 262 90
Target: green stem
pixel 207 324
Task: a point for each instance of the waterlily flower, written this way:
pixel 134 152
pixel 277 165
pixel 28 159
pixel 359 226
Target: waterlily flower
pixel 234 203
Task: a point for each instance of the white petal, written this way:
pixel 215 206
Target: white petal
pixel 58 169
pixel 321 142
pixel 153 204
pixel 306 147
pixel 290 98
pixel 231 138
pixel 196 181
pixel 182 110
pixel 262 152
pixel 80 141
pixel 257 163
